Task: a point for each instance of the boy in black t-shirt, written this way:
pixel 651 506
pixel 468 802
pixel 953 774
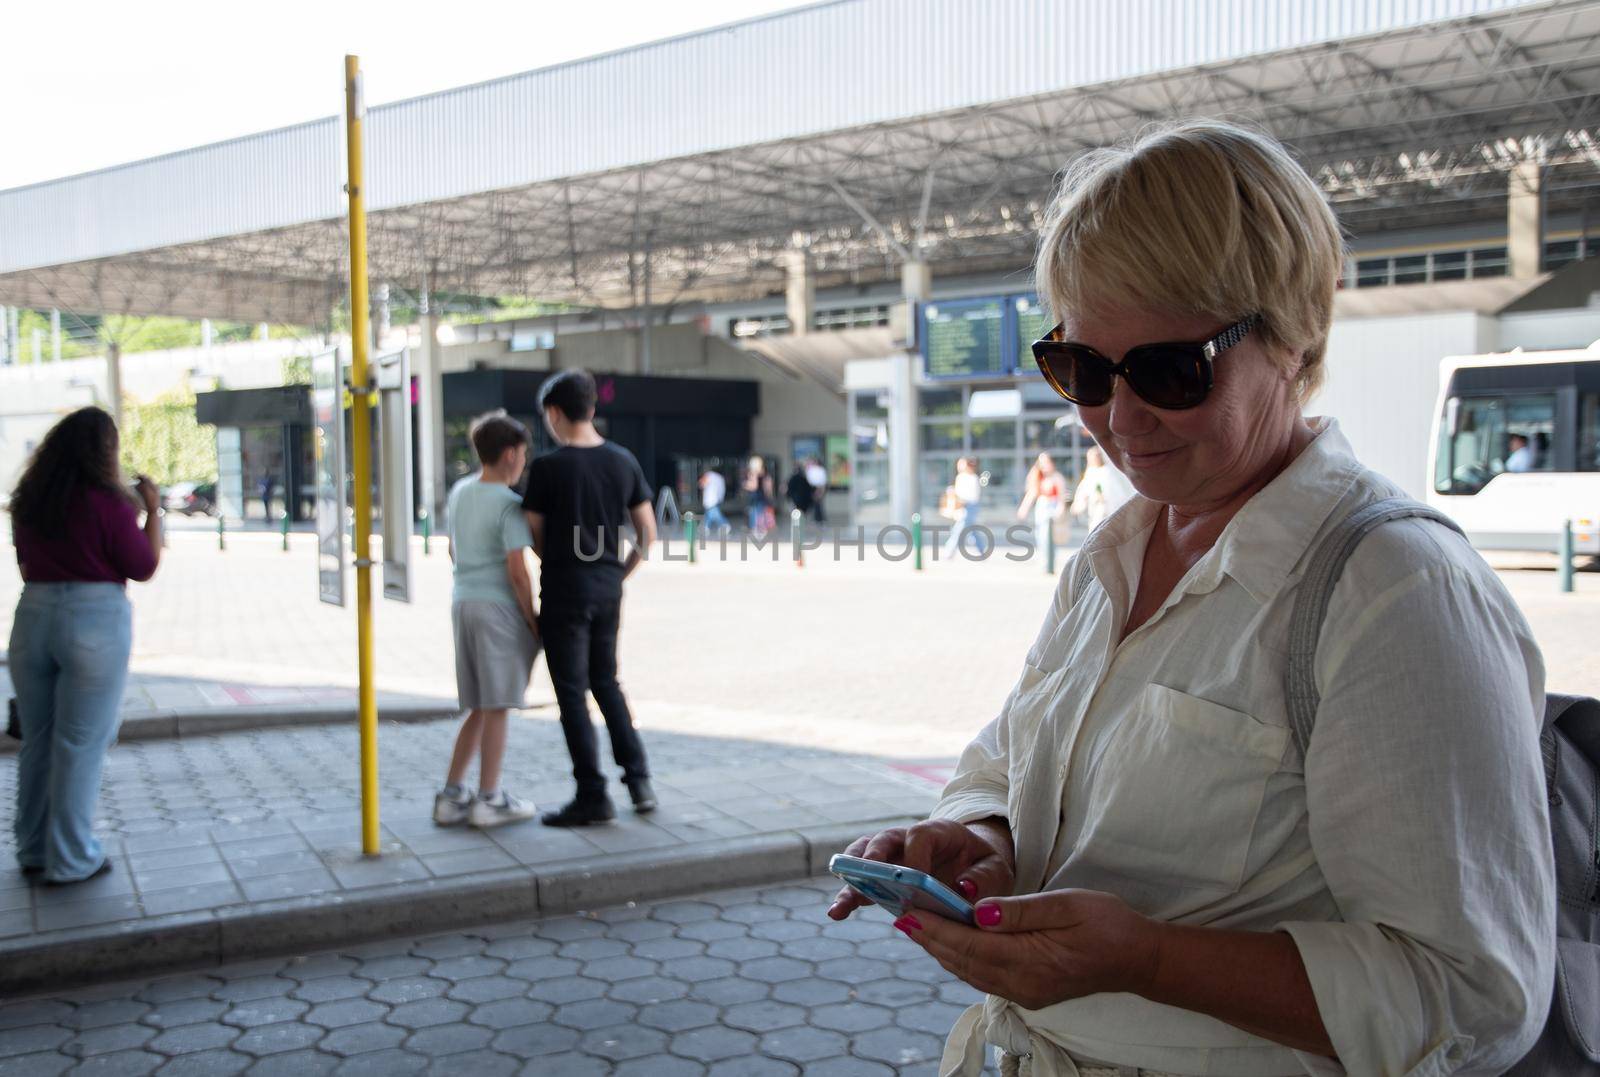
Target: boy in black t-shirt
pixel 579 499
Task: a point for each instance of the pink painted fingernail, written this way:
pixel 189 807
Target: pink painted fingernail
pixel 908 924
pixel 988 915
pixel 967 888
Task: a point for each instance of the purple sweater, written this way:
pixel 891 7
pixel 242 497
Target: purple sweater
pixel 103 543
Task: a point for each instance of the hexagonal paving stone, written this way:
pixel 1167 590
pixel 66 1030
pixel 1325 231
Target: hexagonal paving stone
pixel 730 991
pixel 570 928
pixel 254 987
pixel 276 1039
pixel 749 912
pixel 592 949
pixel 742 948
pixel 765 1016
pixel 569 1065
pixel 713 1044
pixel 854 1016
pixel 534 1041
pixel 192 1038
pixel 784 930
pixel 959 993
pixel 350 1011
pixel 381 1064
pixel 822 948
pixel 51 1064
pixel 812 992
pixel 696 969
pixel 467 968
pixel 711 930
pixel 116 1011
pixel 593 1013
pixel 895 993
pixel 642 930
pixel 790 897
pixel 668 949
pixel 753 1067
pixel 647 990
pixel 898 1046
pixel 849 1067
pixel 448 1039
pixel 172 989
pixel 443 946
pixel 510 1012
pixel 774 970
pixel 488 989
pixel 98 1041
pixel 621 1042
pixel 483 1063
pixel 318 966
pixel 936 1018
pixel 854 970
pixel 304 1063
pixel 187 1011
pixel 363 1039
pixel 614 969
pixel 804 1044
pixel 409 989
pixel 519 948
pixel 684 912
pixel 264 1011
pixel 331 989
pixel 393 967
pixel 537 969
pixel 207 1064
pixel 659 1066
pixel 567 989
pixel 677 1016
pixel 427 1012
pixel 42 1011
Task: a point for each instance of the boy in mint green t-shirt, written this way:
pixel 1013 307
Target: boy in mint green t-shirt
pixel 493 620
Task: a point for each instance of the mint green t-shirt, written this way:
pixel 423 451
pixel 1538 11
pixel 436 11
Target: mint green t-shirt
pixel 486 523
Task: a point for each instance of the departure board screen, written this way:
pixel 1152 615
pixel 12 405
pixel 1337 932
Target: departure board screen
pixel 964 338
pixel 1033 322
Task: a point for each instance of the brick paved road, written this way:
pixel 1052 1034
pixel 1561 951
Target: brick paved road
pixel 750 983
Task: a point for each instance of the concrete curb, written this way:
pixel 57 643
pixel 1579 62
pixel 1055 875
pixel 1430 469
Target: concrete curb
pixel 57 959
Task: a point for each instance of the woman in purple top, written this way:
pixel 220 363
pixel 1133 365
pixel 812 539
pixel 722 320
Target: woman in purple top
pixel 78 538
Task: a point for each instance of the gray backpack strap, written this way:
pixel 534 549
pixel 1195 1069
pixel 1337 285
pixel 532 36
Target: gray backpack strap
pixel 1327 561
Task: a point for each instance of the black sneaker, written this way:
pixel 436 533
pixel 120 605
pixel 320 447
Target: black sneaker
pixel 644 797
pixel 582 813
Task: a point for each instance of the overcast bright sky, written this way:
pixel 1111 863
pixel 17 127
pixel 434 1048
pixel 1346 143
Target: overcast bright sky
pixel 90 83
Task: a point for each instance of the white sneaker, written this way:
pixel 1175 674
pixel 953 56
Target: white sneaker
pixel 451 811
pixel 507 809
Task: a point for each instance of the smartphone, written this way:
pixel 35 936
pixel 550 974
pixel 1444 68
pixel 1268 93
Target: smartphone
pixel 899 889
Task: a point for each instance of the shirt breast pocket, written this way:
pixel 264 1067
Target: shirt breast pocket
pixel 1177 790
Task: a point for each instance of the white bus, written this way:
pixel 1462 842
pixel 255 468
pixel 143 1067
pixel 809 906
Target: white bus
pixel 1516 448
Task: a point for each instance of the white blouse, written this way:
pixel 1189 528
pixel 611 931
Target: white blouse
pixel 1408 855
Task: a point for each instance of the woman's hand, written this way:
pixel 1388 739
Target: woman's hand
pixel 150 493
pixel 1045 948
pixel 975 859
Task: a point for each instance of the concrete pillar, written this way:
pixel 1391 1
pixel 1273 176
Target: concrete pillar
pixel 38 345
pixel 431 478
pixel 261 331
pixel 801 291
pixel 904 443
pixel 205 335
pixel 5 338
pixel 55 335
pixel 380 316
pixel 1525 220
pixel 114 381
pixel 14 335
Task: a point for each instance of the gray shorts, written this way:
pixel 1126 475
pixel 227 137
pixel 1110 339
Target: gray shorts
pixel 494 654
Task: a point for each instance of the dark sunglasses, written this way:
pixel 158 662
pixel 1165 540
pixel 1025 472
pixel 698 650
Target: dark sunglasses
pixel 1170 376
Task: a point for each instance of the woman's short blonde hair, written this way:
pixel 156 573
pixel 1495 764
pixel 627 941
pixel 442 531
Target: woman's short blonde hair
pixel 1199 217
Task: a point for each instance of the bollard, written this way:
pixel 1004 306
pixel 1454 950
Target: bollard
pixel 1565 569
pixel 916 541
pixel 427 533
pixel 688 533
pixel 283 526
pixel 1050 548
pixel 222 529
pixel 797 528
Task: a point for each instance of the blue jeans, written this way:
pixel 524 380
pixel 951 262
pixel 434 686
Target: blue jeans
pixel 715 521
pixel 965 526
pixel 69 665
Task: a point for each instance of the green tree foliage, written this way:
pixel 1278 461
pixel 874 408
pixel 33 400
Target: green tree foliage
pixel 162 439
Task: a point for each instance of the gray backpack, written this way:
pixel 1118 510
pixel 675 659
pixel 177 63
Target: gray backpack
pixel 1570 1042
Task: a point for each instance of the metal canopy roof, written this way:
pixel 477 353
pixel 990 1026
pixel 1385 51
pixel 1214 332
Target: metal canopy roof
pixel 869 131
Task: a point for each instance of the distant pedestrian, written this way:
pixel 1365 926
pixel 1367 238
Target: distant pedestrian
pixel 1045 496
pixel 266 488
pixel 966 494
pixel 1101 491
pixel 492 618
pixel 579 499
pixel 713 491
pixel 799 491
pixel 758 497
pixel 76 528
pixel 817 476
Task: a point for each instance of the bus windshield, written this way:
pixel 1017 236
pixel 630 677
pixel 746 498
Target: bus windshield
pixel 1484 436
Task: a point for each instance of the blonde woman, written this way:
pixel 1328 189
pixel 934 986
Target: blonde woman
pixel 1101 491
pixel 758 496
pixel 1164 884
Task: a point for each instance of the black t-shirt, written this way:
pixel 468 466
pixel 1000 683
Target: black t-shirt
pixel 584 495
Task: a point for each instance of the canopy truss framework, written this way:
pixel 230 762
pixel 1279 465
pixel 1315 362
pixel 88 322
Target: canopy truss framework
pixel 1407 129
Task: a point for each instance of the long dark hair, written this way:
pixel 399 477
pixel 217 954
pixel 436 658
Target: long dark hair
pixel 79 453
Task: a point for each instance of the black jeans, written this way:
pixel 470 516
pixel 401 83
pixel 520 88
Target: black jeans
pixel 580 645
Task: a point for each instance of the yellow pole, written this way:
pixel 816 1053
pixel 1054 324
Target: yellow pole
pixel 361 456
